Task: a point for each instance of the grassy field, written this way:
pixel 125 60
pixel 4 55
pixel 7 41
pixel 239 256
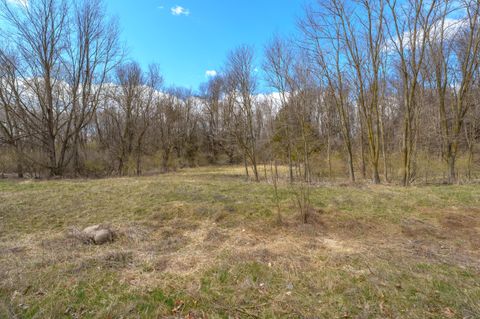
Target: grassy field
pixel 206 243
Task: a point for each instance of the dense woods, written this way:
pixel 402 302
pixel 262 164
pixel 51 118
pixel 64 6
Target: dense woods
pixel 385 90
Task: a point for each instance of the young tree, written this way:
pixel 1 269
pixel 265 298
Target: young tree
pixel 364 40
pixel 241 88
pixel 128 112
pixel 323 39
pixel 454 50
pixel 279 60
pixel 211 95
pixel 407 30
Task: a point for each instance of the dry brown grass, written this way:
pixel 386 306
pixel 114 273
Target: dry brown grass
pixel 183 250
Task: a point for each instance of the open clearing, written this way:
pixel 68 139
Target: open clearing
pixel 206 243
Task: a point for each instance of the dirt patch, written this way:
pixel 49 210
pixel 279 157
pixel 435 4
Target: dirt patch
pixel 13 250
pixel 320 223
pixel 117 259
pixel 453 221
pixel 172 241
pixel 220 216
pixel 351 227
pixel 215 236
pixel 162 264
pixel 246 242
pixel 111 260
pixel 315 225
pixel 70 239
pixel 262 255
pixel 464 228
pixel 416 228
pixel 134 233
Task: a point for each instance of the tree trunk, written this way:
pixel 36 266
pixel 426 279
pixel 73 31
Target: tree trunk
pixel 19 157
pixel 451 169
pixel 139 164
pixel 246 165
pixel 364 169
pixel 329 159
pixel 255 170
pixel 376 175
pixel 290 164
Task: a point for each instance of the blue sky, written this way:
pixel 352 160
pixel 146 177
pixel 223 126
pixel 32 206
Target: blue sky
pixel 187 38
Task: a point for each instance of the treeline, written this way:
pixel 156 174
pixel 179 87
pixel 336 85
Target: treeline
pixel 381 89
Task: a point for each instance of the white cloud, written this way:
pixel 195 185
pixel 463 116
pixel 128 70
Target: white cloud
pixel 23 3
pixel 178 10
pixel 210 73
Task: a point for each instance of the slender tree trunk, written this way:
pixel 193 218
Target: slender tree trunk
pixel 452 177
pixel 76 156
pixel 19 156
pixel 52 159
pixel 120 166
pixel 139 164
pixel 255 169
pixel 246 165
pixel 376 175
pixel 384 150
pixel 290 164
pixel 405 153
pixel 470 162
pixel 329 159
pixel 364 168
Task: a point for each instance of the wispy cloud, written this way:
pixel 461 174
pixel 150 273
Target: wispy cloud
pixel 210 73
pixel 19 2
pixel 178 10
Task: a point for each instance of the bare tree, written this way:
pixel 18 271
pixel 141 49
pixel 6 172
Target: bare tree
pixel 242 84
pixel 11 133
pixel 409 27
pixel 324 41
pixel 212 103
pixel 93 51
pixel 128 112
pixel 454 50
pixel 64 53
pixel 365 42
pixel 279 60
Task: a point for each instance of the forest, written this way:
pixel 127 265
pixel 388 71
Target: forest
pixel 378 90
